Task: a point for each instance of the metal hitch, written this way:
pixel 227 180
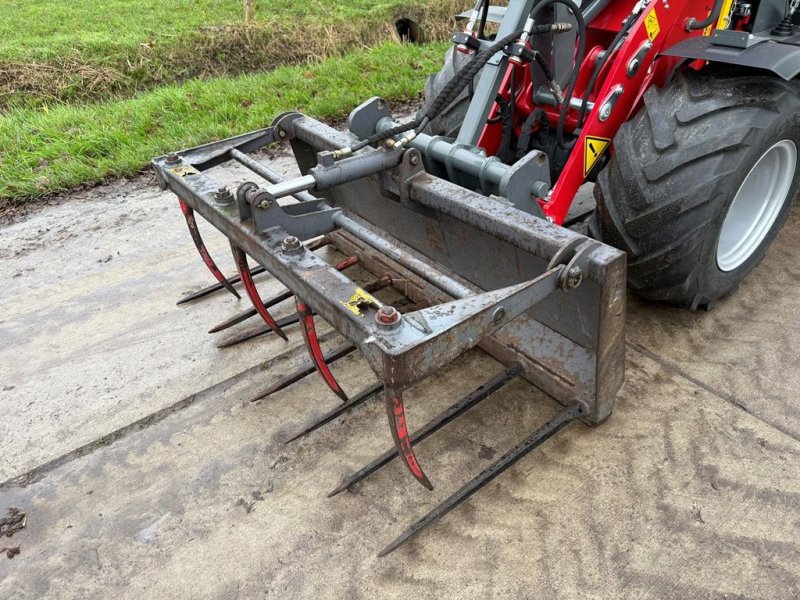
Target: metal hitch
pixel 475 271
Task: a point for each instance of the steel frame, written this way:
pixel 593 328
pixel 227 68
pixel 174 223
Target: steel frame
pixel 569 342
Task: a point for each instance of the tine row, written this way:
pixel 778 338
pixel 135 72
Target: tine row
pixel 459 408
pixel 393 398
pixel 207 291
pixel 541 435
pixel 367 394
pixel 304 371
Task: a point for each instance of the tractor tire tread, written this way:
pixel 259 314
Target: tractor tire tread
pixel 662 189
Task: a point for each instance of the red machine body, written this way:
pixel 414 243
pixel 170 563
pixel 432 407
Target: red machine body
pixel 659 24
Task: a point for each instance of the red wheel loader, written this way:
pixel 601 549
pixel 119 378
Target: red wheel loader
pixel 684 115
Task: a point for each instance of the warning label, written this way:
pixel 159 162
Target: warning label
pixel 595 147
pixel 358 300
pixel 652 25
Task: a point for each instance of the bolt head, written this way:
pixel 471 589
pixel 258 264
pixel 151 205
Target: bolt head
pixel 292 245
pixel 172 158
pixel 388 317
pixel 414 160
pixel 223 196
pixel 574 278
pixel 499 315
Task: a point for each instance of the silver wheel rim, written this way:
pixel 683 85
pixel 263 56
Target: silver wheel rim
pixel 757 204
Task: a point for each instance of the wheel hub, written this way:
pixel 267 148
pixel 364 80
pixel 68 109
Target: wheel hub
pixel 756 206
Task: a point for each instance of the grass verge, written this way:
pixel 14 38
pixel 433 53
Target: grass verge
pixel 42 153
pixel 76 51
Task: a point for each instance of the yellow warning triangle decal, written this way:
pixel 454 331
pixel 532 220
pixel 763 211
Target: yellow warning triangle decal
pixel 595 147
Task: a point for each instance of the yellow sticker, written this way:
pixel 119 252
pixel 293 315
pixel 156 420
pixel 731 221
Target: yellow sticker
pixel 184 170
pixel 359 299
pixel 595 147
pixel 652 26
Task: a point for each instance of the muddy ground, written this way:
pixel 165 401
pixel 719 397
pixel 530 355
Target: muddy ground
pixel 128 439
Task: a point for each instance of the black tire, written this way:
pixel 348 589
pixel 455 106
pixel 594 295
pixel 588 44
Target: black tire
pixel 678 165
pixel 449 122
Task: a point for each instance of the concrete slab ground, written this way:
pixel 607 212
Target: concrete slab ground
pixel 129 440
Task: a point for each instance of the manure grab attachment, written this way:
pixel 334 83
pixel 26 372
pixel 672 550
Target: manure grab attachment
pixel 547 302
pixel 470 212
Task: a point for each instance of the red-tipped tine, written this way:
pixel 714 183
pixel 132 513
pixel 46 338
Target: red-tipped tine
pixel 314 351
pixel 188 214
pixel 249 285
pixel 397 423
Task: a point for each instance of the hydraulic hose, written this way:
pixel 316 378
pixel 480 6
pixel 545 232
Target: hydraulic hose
pixel 579 56
pixel 693 24
pixel 524 141
pixel 507 118
pixel 465 76
pixel 449 93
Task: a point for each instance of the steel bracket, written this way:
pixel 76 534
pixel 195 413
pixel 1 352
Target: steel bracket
pixel 304 220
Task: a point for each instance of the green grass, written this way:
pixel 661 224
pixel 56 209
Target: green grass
pixel 45 29
pixel 71 51
pixel 92 90
pixel 42 152
pixel 42 30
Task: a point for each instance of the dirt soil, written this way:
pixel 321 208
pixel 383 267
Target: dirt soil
pixel 128 440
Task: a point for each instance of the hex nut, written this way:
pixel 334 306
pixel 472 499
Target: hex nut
pixel 499 315
pixel 573 279
pixel 223 197
pixel 292 245
pixel 388 317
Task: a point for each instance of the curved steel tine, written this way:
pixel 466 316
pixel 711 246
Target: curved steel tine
pixel 340 410
pixel 249 285
pixel 216 287
pixel 188 214
pixel 472 399
pixel 559 421
pixel 315 352
pixel 396 412
pixel 302 372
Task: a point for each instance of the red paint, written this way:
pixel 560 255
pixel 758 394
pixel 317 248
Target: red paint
pixel 191 222
pixel 309 330
pixel 397 423
pixel 347 263
pixel 249 285
pixel 655 70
